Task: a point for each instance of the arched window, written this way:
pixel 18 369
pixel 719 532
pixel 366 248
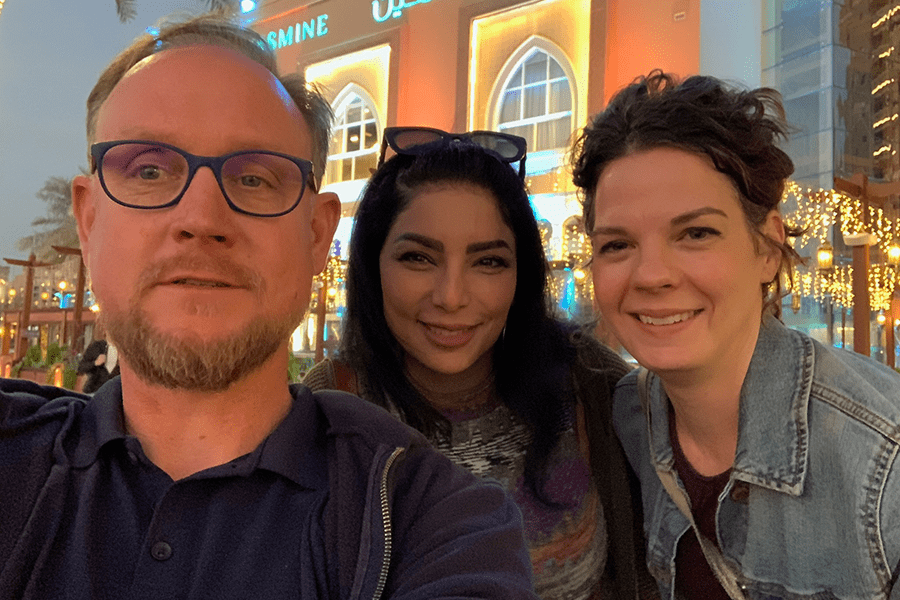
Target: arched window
pixel 353 151
pixel 536 102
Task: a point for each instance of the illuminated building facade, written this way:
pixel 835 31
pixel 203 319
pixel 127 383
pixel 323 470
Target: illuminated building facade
pixel 535 68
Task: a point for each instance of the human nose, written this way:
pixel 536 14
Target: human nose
pixel 450 289
pixel 203 212
pixel 655 268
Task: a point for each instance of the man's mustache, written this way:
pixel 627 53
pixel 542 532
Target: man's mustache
pixel 218 268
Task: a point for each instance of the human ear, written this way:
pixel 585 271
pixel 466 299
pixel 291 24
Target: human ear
pixel 84 211
pixel 773 230
pixel 326 212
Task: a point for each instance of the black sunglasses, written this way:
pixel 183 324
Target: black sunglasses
pixel 416 141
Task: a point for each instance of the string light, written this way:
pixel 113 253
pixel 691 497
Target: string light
pixel 881 122
pixel 332 277
pixel 816 211
pixel 881 86
pixel 884 19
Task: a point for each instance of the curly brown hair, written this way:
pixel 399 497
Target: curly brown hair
pixel 738 129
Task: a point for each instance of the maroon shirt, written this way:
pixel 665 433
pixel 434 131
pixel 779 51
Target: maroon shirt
pixel 694 577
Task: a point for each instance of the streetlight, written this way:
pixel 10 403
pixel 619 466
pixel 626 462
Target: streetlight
pixel 825 264
pixel 893 260
pixel 893 255
pixel 825 257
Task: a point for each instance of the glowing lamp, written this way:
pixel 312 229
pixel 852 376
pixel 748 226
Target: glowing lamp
pixel 893 255
pixel 825 257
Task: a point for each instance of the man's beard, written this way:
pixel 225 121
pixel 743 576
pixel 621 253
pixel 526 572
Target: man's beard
pixel 187 363
pixel 183 360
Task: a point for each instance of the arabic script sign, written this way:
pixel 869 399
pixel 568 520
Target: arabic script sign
pixel 393 10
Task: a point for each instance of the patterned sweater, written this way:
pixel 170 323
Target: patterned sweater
pixel 567 542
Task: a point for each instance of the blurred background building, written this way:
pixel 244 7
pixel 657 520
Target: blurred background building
pixel 540 68
pixel 837 66
pixel 537 69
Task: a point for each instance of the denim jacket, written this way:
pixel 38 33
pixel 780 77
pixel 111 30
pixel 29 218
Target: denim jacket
pixel 812 506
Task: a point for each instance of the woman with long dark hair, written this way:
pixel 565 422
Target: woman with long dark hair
pixel 448 325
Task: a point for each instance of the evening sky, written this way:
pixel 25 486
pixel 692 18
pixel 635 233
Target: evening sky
pixel 51 53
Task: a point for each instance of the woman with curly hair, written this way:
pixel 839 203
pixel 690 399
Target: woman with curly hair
pixel 767 461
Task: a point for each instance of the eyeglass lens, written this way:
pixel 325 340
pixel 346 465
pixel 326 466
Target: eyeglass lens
pixel 500 145
pixel 408 139
pixel 147 175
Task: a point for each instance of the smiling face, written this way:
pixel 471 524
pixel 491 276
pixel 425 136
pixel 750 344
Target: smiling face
pixel 448 277
pixel 677 271
pixel 199 277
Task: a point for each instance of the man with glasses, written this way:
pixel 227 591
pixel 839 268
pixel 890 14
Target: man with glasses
pixel 200 472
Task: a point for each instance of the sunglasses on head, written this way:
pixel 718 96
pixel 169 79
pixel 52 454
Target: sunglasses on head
pixel 415 141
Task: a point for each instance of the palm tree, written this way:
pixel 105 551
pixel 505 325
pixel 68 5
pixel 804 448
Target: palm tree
pixel 57 227
pixel 127 9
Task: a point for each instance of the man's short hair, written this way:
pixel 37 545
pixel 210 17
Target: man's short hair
pixel 214 29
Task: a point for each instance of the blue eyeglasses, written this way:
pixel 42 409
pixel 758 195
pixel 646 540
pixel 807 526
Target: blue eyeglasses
pixel 145 175
pixel 505 147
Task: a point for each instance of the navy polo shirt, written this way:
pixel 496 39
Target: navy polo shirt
pixel 246 529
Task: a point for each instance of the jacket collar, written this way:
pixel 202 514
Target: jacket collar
pixel 773 432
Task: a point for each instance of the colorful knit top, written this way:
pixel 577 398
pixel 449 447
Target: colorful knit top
pixel 567 542
pixel 566 539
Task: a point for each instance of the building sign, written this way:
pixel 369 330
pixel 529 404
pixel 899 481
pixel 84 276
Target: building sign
pixel 298 32
pixel 384 10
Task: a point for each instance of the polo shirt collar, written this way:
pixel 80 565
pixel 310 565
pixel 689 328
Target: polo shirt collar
pixel 294 450
pixel 102 421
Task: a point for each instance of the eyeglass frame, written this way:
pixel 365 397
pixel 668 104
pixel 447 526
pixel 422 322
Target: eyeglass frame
pixel 194 162
pixel 446 138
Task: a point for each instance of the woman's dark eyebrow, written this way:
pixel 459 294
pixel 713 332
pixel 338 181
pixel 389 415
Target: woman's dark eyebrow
pixel 420 239
pixel 676 221
pixel 438 246
pixel 690 216
pixel 482 246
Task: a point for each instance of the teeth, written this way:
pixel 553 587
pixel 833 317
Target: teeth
pixel 444 330
pixel 666 320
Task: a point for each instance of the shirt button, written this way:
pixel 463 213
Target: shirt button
pixel 740 492
pixel 161 551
